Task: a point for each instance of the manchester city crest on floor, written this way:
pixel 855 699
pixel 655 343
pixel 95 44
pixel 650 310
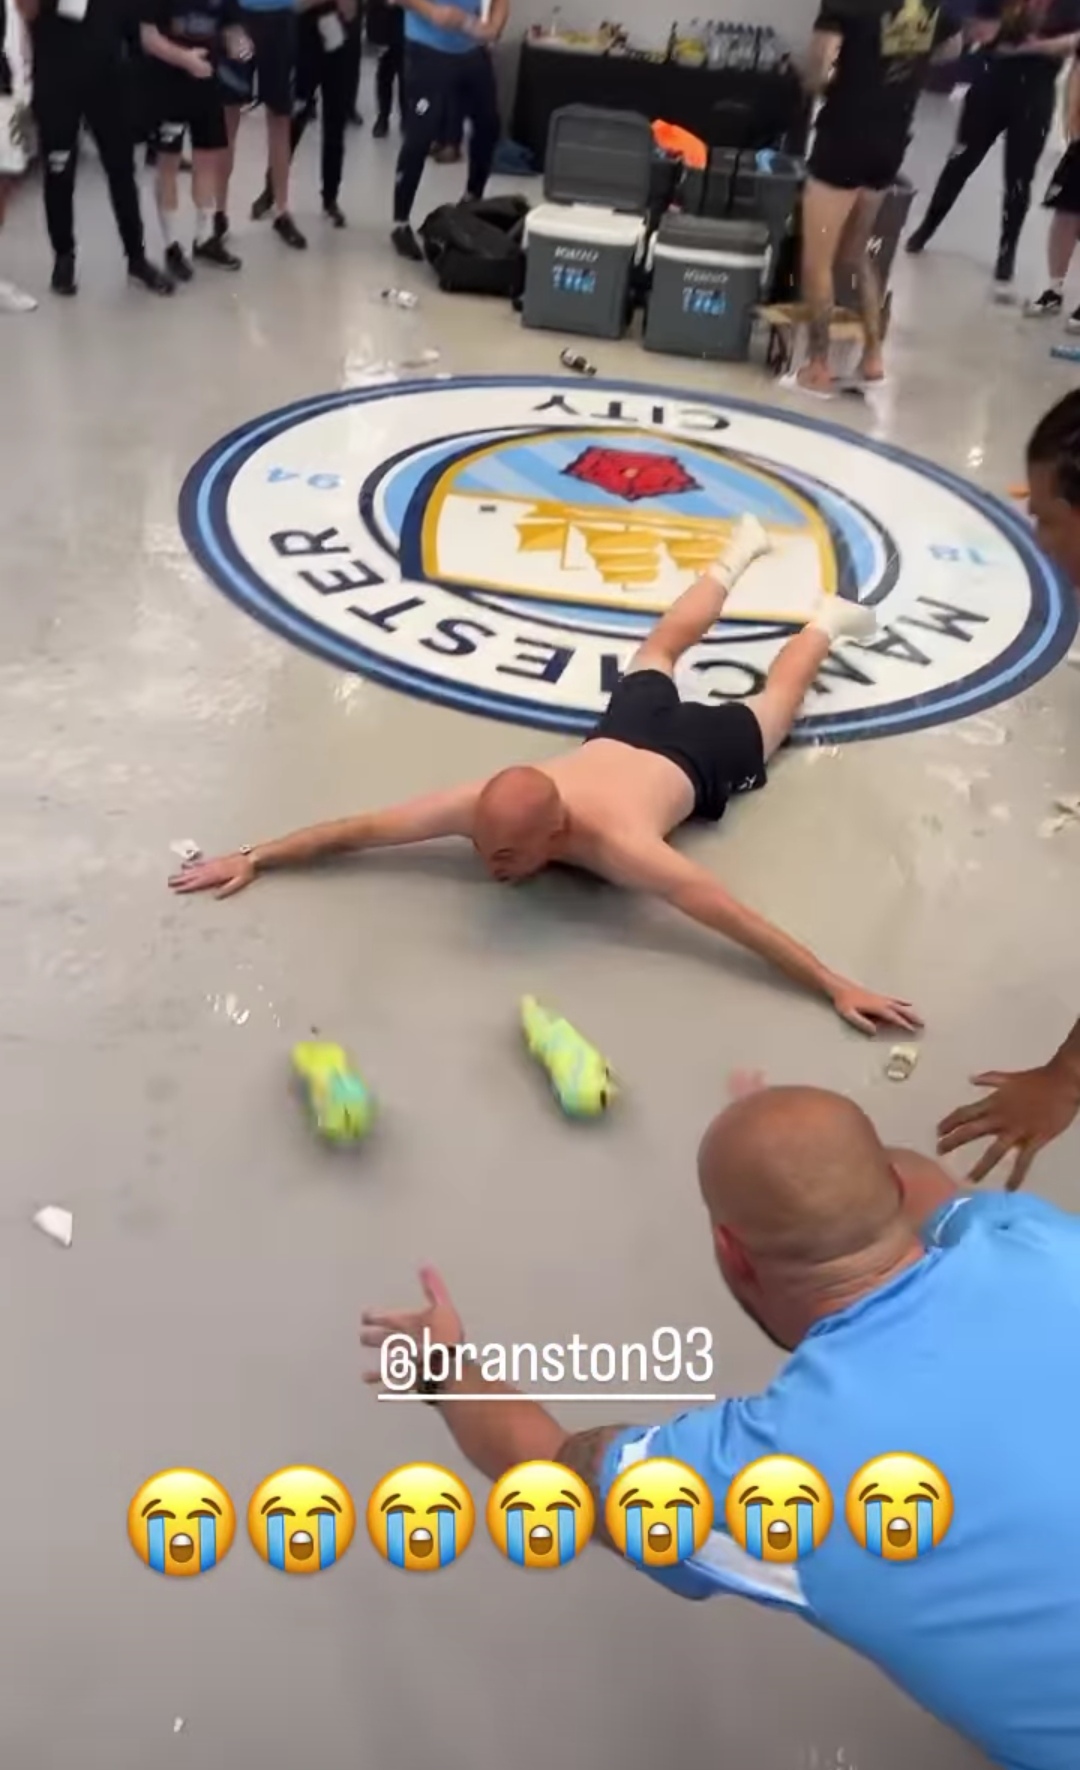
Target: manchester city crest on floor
pixel 502 545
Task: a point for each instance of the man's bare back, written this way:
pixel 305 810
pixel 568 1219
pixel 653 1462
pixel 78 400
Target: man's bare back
pixel 609 806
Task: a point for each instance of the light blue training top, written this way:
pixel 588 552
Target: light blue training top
pixel 429 36
pixel 970 1359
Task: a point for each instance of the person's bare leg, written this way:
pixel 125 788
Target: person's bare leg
pixel 689 618
pixel 776 708
pixel 279 144
pixel 228 159
pixel 824 216
pixel 1060 244
pixel 855 250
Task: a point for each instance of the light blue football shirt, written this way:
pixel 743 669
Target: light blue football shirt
pixel 422 31
pixel 970 1359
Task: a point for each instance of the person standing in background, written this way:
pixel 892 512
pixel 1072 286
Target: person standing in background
pixel 80 76
pixel 447 63
pixel 386 32
pixel 323 71
pixel 183 41
pixel 12 157
pixel 354 55
pixel 1063 201
pixel 270 75
pixel 869 64
pixel 1026 42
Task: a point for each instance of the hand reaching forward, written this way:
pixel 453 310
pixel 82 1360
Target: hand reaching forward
pixel 1027 1110
pixel 438 1316
pixel 861 1008
pixel 225 876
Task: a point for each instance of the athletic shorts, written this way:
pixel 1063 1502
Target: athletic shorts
pixel 849 161
pixel 719 748
pixel 1063 191
pixel 270 74
pixel 181 105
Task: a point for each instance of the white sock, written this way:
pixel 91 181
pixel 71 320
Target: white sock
pixel 204 226
pixel 841 620
pixel 167 218
pixel 748 541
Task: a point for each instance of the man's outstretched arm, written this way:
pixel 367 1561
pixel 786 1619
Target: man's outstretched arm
pixel 1027 1109
pixel 661 871
pixel 418 820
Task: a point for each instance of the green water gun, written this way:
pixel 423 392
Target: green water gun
pixel 341 1105
pixel 582 1081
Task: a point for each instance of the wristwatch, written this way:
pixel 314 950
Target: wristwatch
pixel 430 1388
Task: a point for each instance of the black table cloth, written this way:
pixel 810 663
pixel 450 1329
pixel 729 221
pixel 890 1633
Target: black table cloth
pixel 726 107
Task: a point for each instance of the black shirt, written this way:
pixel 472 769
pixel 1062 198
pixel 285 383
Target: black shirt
pixel 1022 20
pixel 106 26
pixel 5 70
pixel 195 24
pixel 885 51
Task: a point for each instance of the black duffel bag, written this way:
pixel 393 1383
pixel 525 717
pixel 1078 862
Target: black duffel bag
pixel 477 247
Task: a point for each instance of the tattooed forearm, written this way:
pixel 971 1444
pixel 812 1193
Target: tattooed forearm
pixel 584 1453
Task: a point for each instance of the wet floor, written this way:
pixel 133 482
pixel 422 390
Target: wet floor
pixel 206 1312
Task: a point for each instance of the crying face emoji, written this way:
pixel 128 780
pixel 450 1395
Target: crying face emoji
pixel 301 1520
pixel 658 1512
pixel 421 1517
pixel 181 1522
pixel 540 1515
pixel 899 1507
pixel 778 1509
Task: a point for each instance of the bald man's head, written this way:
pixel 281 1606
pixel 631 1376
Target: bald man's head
pixel 802 1198
pixel 518 822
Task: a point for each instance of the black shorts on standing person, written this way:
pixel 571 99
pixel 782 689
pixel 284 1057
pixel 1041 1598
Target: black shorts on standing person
pixel 324 80
pixel 1013 95
pixel 82 76
pixel 447 65
pixel 863 129
pixel 386 33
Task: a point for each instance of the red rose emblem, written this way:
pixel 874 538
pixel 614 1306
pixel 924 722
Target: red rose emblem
pixel 632 475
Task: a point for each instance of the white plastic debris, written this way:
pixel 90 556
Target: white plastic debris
pixel 178 1724
pixel 902 1060
pixel 187 850
pixel 419 359
pixel 56 1223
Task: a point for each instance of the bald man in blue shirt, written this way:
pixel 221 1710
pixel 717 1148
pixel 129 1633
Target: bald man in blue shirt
pixel 917 1318
pixel 448 67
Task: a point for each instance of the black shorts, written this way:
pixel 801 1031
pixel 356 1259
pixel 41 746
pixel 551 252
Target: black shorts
pixel 270 74
pixel 181 105
pixel 719 749
pixel 1063 191
pixel 850 160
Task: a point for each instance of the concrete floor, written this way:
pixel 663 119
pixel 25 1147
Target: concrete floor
pixel 207 1311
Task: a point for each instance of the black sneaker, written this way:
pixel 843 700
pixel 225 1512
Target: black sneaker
pixel 1004 276
pixel 63 276
pixel 288 232
pixel 916 242
pixel 221 225
pixel 178 265
pixel 356 119
pixel 263 203
pixel 1046 306
pixel 406 244
pixel 215 251
pixel 149 277
pixel 332 211
pixel 381 128
pixel 1072 324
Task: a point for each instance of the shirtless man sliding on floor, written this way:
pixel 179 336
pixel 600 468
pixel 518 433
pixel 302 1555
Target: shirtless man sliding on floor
pixel 652 762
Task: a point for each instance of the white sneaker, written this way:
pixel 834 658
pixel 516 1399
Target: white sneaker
pixel 13 300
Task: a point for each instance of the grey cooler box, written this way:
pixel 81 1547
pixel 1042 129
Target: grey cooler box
pixel 583 242
pixel 707 278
